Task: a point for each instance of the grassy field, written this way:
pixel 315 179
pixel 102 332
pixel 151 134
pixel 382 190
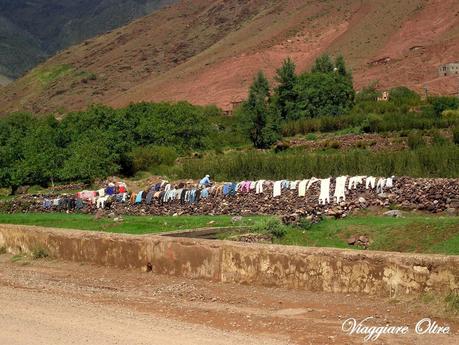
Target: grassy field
pixel 129 225
pixel 413 233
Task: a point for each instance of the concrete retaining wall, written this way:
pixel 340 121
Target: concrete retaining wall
pixel 314 269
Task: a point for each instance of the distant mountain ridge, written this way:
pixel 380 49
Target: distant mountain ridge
pixel 208 51
pixel 31 31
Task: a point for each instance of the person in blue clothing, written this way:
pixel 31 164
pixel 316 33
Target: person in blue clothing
pixel 205 182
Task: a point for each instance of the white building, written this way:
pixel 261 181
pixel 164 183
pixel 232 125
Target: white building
pixel 448 69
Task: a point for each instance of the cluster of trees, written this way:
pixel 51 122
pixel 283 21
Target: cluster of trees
pixel 100 142
pixel 326 90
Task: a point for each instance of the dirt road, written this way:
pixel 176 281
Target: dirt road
pixel 55 302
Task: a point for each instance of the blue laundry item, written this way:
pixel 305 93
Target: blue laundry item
pixel 285 184
pixel 233 189
pixel 205 193
pixel 226 188
pixel 193 196
pixel 138 198
pixel 79 204
pixel 110 190
pixel 47 203
pixel 205 181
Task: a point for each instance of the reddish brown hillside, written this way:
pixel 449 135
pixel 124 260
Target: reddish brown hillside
pixel 207 51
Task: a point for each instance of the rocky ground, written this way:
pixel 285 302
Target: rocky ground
pixel 46 301
pixel 437 195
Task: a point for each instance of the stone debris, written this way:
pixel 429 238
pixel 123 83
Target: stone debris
pixel 394 214
pixel 434 195
pixel 359 241
pixel 252 238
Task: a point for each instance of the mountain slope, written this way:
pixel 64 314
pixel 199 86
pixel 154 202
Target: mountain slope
pixel 208 51
pixel 32 30
pixel 4 80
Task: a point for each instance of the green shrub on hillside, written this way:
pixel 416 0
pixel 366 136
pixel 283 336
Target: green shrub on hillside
pixel 144 158
pixel 440 104
pixel 415 140
pixel 404 96
pixel 456 135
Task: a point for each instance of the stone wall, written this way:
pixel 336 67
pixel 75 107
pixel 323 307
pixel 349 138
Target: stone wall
pixel 314 269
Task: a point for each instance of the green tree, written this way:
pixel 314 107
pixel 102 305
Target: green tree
pixel 323 64
pixel 285 96
pixel 341 67
pixel 90 157
pixel 42 156
pixel 14 130
pixel 321 94
pixel 257 114
pixel 440 104
pixel 179 125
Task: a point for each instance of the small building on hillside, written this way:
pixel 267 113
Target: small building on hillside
pixel 449 69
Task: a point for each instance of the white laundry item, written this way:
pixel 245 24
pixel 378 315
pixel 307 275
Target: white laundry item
pixel 101 192
pixel 259 187
pixel 124 197
pixel 277 188
pixel 101 202
pixel 355 181
pixel 340 187
pixel 168 187
pixel 380 186
pixel 390 182
pixel 253 185
pixel 294 184
pixel 370 182
pixel 324 191
pixel 311 182
pixel 302 187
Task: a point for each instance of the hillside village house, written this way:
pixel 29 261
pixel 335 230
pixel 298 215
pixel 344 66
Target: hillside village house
pixel 448 69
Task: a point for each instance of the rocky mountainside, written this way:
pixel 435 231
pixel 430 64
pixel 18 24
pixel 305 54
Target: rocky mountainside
pixel 207 51
pixel 30 31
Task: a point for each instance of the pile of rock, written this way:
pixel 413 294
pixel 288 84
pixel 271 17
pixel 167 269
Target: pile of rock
pixel 432 195
pixel 253 238
pixel 359 241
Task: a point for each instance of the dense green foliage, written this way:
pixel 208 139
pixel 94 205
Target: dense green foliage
pixel 427 161
pixel 440 104
pixel 404 111
pixel 161 138
pixel 256 115
pixel 101 141
pixel 326 90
